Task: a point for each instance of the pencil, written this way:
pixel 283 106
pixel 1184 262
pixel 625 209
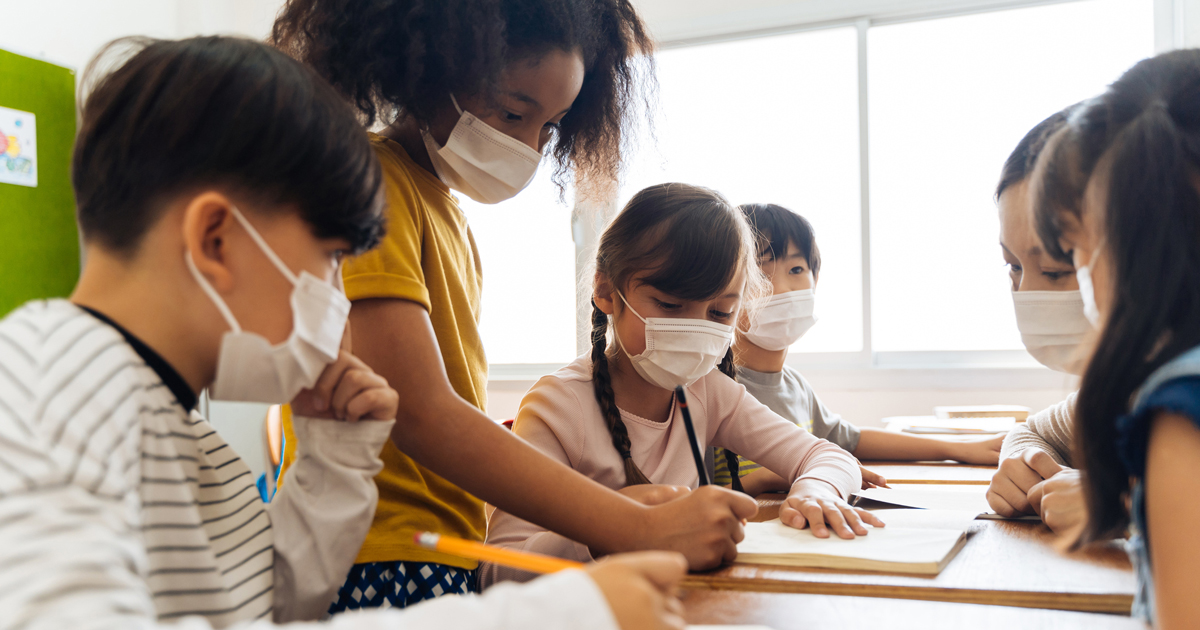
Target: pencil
pixel 691 431
pixel 533 562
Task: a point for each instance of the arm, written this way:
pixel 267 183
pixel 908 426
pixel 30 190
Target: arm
pixel 506 530
pixel 321 516
pixel 1173 458
pixel 883 444
pixel 1049 430
pixel 446 434
pixel 747 427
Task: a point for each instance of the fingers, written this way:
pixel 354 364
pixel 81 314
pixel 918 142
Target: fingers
pixel 852 520
pixel 379 403
pixel 869 518
pixel 321 393
pixel 1019 473
pixel 1011 494
pixel 1035 497
pixel 1000 506
pixel 1040 462
pixel 815 516
pixel 743 505
pixel 872 479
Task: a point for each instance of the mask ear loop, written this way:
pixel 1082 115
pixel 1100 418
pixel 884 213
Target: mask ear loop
pixel 455 101
pixel 212 293
pixel 266 249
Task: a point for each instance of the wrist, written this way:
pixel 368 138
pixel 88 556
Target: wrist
pixel 809 486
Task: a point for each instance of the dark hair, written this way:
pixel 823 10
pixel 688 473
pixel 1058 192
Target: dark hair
pixel 395 58
pixel 1021 161
pixel 226 113
pixel 775 226
pixel 1140 142
pixel 693 241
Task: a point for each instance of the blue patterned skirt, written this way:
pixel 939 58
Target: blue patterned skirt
pixel 400 584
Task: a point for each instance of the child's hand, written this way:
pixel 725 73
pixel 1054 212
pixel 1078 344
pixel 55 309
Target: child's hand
pixel 872 479
pixel 654 494
pixel 816 504
pixel 705 525
pixel 984 451
pixel 640 589
pixel 1059 501
pixel 348 390
pixel 1008 492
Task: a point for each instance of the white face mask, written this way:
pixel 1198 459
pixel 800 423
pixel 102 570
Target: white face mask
pixel 482 163
pixel 783 320
pixel 1052 326
pixel 1083 275
pixel 249 368
pixel 678 352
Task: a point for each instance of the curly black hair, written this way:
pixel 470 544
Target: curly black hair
pixel 395 58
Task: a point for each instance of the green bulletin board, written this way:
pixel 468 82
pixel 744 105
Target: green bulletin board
pixel 39 243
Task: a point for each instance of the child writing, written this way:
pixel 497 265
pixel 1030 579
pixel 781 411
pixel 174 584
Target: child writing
pixel 672 273
pixel 472 93
pixel 1035 475
pixel 788 256
pixel 218 184
pixel 1116 193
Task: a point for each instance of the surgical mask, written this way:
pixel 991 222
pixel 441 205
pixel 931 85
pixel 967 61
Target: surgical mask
pixel 1052 326
pixel 481 162
pixel 249 368
pixel 783 320
pixel 1084 276
pixel 678 352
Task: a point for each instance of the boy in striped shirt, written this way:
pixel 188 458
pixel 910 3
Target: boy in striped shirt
pixel 218 184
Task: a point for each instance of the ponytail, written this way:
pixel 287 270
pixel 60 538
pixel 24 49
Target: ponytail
pixel 602 382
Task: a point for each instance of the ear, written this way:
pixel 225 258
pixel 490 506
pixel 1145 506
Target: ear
pixel 207 223
pixel 603 295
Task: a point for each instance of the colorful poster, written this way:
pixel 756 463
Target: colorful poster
pixel 18 147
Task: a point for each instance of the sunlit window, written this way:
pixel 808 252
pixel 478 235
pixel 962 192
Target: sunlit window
pixel 528 274
pixel 948 100
pixel 772 120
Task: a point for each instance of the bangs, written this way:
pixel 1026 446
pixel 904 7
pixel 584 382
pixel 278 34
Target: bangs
pixel 775 226
pixel 693 258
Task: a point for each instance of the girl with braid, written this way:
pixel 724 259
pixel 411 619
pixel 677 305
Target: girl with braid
pixel 674 270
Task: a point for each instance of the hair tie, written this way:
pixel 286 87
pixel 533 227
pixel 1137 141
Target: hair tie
pixel 626 455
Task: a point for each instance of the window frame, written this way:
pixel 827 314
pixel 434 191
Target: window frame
pixel 866 369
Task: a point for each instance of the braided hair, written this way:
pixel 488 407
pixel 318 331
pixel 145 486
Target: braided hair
pixel 731 458
pixel 693 242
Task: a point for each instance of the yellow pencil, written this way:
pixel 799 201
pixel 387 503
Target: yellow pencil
pixel 534 562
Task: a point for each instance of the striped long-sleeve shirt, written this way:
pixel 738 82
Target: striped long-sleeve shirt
pixel 121 507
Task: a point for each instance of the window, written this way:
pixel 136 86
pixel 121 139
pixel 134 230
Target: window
pixel 949 99
pixel 777 118
pixel 528 273
pixel 773 120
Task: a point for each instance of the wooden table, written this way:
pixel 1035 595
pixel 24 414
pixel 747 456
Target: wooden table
pixel 1004 563
pixel 821 612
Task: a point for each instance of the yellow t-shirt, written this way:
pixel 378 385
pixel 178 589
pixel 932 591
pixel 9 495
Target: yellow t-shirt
pixel 428 257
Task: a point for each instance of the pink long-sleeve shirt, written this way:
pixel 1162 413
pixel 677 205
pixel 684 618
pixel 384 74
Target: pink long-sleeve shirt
pixel 560 416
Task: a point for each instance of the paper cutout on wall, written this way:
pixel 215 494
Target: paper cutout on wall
pixel 18 147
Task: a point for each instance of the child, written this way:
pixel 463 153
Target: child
pixel 472 93
pixel 1035 475
pixel 672 272
pixel 1116 192
pixel 788 255
pixel 218 184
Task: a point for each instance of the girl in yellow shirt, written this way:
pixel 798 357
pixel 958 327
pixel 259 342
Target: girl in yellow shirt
pixel 472 94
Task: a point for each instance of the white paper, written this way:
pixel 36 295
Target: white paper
pixel 966 498
pixel 18 147
pixel 966 426
pixel 882 544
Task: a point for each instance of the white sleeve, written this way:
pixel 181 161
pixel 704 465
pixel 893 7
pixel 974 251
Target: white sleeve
pixel 321 514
